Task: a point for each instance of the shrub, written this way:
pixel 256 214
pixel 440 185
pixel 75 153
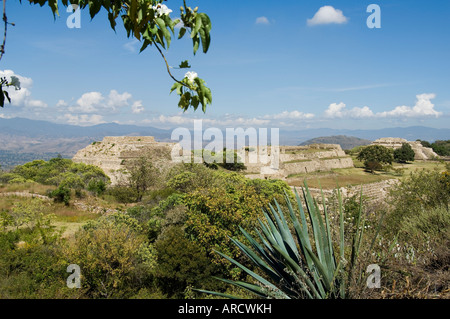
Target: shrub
pixel 61 195
pixel 122 194
pixel 375 155
pixel 113 255
pixel 404 154
pixel 181 263
pixel 421 190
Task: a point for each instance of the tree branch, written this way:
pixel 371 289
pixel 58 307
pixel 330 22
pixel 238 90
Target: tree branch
pixel 168 67
pixel 5 19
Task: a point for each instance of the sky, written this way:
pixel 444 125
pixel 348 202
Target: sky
pixel 288 65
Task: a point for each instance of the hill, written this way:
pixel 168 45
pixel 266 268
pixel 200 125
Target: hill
pixel 346 142
pixel 35 137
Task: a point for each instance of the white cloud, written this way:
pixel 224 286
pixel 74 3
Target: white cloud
pixel 137 107
pixel 22 97
pixel 61 103
pixel 327 15
pixel 94 102
pixel 290 115
pixel 262 20
pixel 423 108
pixel 83 119
pixel 116 100
pixel 335 110
pixel 363 112
pixel 88 103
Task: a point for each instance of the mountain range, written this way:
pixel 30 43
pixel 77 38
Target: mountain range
pixel 346 142
pixel 20 135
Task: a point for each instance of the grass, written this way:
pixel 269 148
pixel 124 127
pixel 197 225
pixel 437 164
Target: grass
pixel 358 176
pixel 31 187
pixel 309 151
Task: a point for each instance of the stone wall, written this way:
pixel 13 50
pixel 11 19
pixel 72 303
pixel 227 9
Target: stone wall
pixel 113 153
pixel 421 152
pixel 374 192
pixel 297 160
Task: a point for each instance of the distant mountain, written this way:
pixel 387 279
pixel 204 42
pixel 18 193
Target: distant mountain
pixel 19 135
pixel 411 133
pixel 33 128
pixel 346 142
pixel 31 136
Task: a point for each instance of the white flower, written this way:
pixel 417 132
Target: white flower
pixel 161 9
pixel 191 76
pixel 15 82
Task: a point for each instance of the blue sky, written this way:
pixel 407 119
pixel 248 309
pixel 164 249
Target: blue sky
pixel 292 65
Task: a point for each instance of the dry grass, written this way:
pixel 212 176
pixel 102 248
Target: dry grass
pixel 358 176
pixel 34 188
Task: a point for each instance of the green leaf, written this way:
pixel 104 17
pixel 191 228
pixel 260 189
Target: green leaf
pixel 94 8
pixel 182 32
pixel 162 26
pixel 197 26
pixel 184 65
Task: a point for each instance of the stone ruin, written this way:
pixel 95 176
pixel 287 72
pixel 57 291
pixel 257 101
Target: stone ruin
pixel 297 160
pixel 421 152
pixel 114 152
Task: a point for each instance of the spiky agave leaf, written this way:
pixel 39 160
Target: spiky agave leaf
pixel 291 262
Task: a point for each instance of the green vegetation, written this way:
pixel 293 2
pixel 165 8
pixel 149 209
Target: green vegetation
pixel 151 24
pixel 194 224
pixel 374 156
pixel 10 159
pixel 299 264
pixel 441 148
pixel 346 142
pixel 404 154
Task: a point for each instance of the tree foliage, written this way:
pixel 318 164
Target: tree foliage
pixel 60 172
pixel 141 176
pixel 420 191
pixel 404 154
pixel 149 22
pixel 375 155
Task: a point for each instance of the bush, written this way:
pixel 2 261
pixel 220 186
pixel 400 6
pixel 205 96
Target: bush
pixel 113 255
pixel 122 194
pixel 375 155
pixel 61 195
pixel 60 172
pixel 181 263
pixel 427 225
pixel 404 154
pixel 420 191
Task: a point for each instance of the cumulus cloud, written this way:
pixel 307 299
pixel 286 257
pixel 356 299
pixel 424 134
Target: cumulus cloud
pixel 335 110
pixel 262 20
pixel 423 108
pixel 82 119
pixel 327 15
pixel 116 100
pixel 232 121
pixel 137 107
pixel 22 97
pixel 95 102
pixel 290 115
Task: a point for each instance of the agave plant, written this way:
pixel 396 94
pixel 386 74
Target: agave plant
pixel 300 261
